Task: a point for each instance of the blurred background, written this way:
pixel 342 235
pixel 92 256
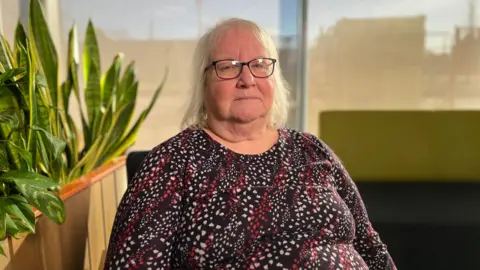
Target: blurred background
pixel 392 86
pixel 368 54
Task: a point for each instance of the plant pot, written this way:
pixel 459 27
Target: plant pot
pixel 90 202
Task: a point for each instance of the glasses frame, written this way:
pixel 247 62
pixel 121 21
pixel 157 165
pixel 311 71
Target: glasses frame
pixel 214 64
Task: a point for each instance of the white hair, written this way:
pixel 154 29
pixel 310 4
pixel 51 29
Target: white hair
pixel 196 114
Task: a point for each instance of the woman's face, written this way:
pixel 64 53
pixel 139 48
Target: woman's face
pixel 243 99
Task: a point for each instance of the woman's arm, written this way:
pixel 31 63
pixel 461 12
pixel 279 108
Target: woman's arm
pixel 367 242
pixel 143 233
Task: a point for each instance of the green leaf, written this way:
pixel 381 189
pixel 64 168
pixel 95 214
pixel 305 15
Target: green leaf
pixel 129 138
pixel 72 65
pixel 4 164
pixel 79 168
pixel 73 60
pixel 114 134
pixel 19 43
pixel 44 113
pixel 87 134
pixel 34 188
pixel 2 252
pixel 21 84
pixel 19 102
pixel 54 144
pixel 29 178
pixel 24 154
pixel 91 73
pixel 25 207
pixel 72 145
pixel 91 53
pixel 146 111
pixel 119 148
pixel 16 226
pixel 8 131
pixel 3 223
pixel 45 160
pixel 42 44
pixel 9 117
pixel 41 80
pixel 66 90
pixel 156 93
pixel 109 82
pixel 5 55
pixel 92 96
pixel 96 124
pixel 12 209
pixel 10 74
pixel 125 92
pixel 46 202
pixel 20 200
pixel 32 140
pixel 106 121
pixel 130 95
pixel 12 228
pixel 59 169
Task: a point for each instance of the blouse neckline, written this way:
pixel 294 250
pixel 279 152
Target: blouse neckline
pixel 271 150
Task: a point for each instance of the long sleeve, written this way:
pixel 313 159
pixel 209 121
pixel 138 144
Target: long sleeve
pixel 367 242
pixel 143 233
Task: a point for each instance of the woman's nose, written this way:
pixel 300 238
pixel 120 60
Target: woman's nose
pixel 246 78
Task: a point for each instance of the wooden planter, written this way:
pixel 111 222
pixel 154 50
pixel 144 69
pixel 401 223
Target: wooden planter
pixel 91 202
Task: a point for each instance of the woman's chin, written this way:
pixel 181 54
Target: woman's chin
pixel 248 117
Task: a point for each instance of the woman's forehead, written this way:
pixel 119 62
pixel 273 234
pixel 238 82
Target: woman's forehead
pixel 233 45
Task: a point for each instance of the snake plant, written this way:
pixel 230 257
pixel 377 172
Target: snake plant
pixel 40 144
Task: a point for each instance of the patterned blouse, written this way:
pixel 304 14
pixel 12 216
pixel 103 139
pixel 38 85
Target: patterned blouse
pixel 195 204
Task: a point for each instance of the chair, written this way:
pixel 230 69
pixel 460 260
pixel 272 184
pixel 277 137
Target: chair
pixel 134 160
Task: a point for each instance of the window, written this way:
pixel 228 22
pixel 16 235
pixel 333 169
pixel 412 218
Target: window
pixel 163 34
pixel 395 55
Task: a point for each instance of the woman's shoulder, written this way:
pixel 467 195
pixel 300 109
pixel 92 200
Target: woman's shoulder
pixel 302 137
pixel 178 144
pixel 306 141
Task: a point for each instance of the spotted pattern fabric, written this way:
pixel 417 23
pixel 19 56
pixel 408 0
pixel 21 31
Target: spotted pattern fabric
pixel 195 204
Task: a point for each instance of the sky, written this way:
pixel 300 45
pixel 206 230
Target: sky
pixel 186 19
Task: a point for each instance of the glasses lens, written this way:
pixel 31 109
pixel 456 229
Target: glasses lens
pixel 228 69
pixel 262 67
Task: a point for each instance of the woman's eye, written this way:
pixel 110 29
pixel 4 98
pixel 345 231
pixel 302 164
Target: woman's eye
pixel 225 68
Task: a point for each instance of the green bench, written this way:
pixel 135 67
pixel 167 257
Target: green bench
pixel 405 145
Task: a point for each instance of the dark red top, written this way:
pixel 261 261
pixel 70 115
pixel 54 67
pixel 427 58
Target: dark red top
pixel 194 204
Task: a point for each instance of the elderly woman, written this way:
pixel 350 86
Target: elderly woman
pixel 236 189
